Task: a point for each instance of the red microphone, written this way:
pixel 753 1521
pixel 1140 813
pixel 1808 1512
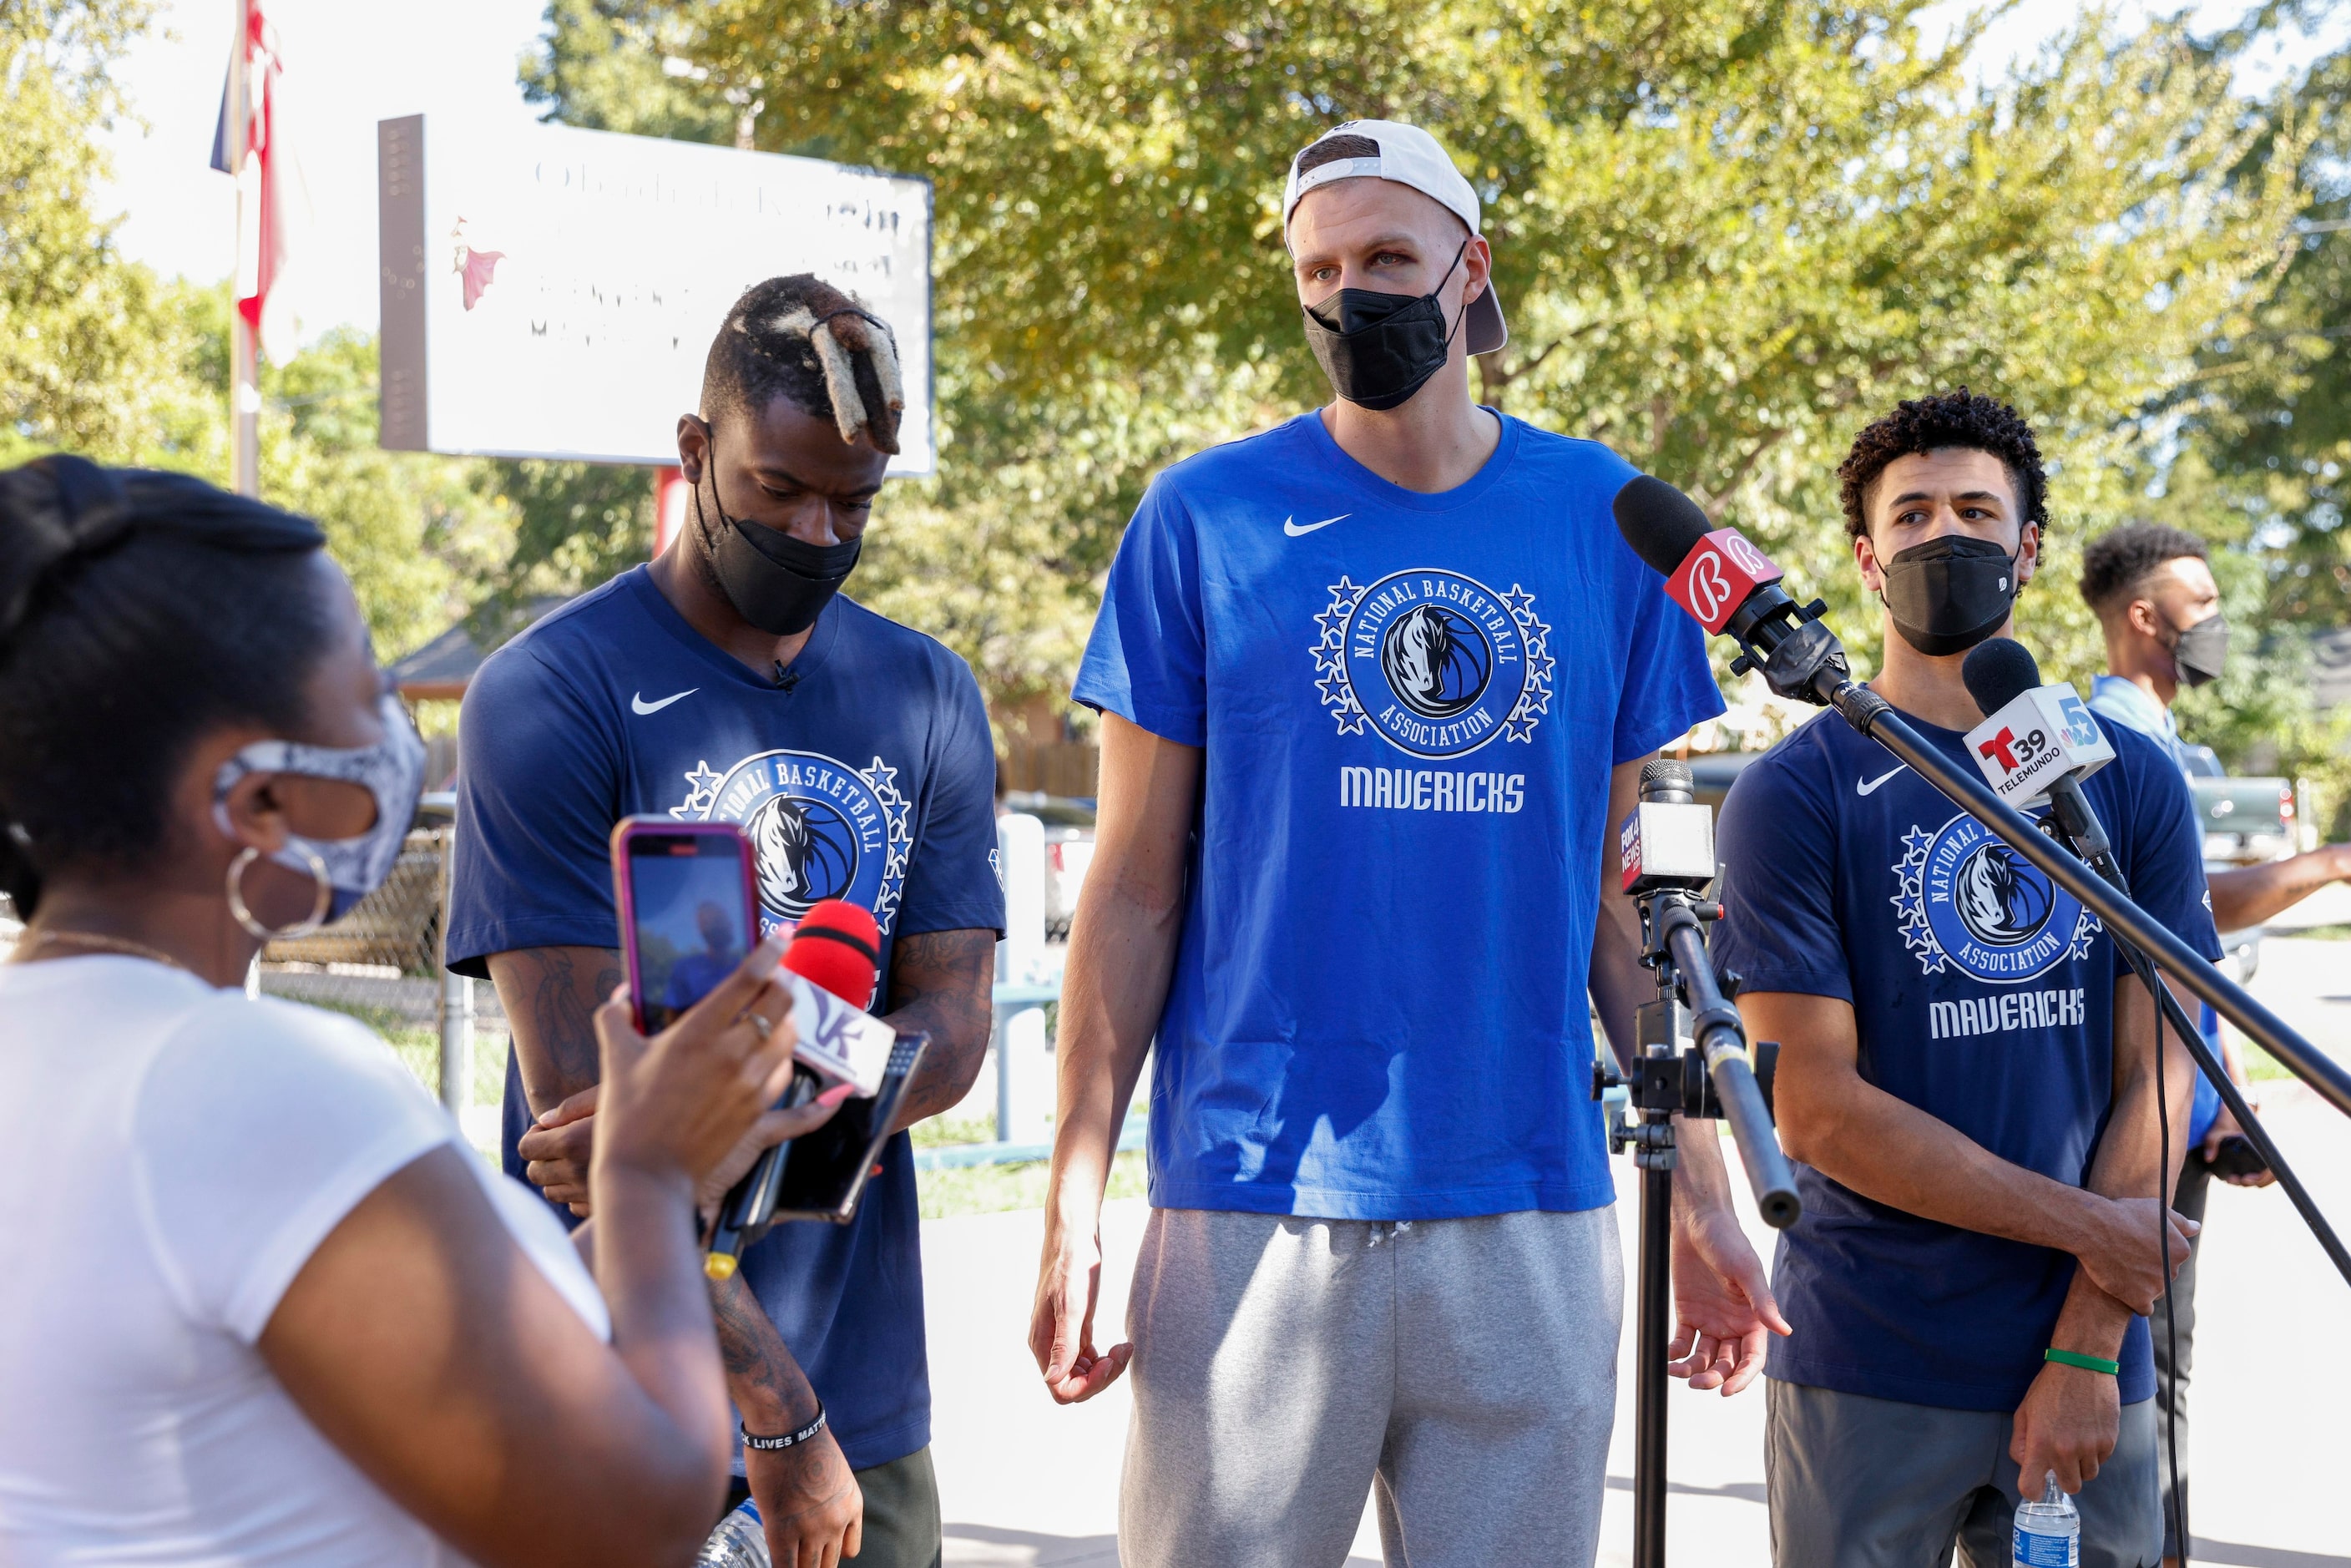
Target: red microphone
pixel 837 945
pixel 1729 585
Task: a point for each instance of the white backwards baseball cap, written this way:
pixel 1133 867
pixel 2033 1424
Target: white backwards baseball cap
pixel 1409 156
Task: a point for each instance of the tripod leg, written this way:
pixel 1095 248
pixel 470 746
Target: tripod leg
pixel 1655 1311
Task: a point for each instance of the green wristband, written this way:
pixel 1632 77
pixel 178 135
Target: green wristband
pixel 2086 1363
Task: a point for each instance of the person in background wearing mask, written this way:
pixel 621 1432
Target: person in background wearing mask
pixel 2155 598
pixel 729 680
pixel 1968 1075
pixel 261 1303
pixel 1377 686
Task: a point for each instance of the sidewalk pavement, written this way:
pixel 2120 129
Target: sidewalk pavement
pixel 1025 1482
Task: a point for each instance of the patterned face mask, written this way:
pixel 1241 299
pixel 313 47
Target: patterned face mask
pixel 392 770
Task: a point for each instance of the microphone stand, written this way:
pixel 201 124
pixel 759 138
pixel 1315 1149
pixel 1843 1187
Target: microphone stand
pixel 1800 657
pixel 1691 1061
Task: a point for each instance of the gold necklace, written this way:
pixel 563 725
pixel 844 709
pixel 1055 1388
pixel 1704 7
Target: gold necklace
pixel 100 944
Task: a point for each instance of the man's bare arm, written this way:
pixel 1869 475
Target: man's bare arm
pixel 2247 896
pixel 550 996
pixel 1833 1120
pixel 943 981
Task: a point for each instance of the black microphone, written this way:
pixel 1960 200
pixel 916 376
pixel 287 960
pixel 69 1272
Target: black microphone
pixel 1731 587
pixel 1998 671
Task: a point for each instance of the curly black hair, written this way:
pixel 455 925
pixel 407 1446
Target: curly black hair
pixel 2118 563
pixel 1949 419
pixel 801 337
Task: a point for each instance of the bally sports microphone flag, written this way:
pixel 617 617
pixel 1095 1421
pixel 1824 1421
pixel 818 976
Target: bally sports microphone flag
pixel 1715 579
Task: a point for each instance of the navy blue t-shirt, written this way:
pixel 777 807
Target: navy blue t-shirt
pixel 1983 995
pixel 1409 706
pixel 871 779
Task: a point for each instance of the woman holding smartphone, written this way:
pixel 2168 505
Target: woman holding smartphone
pixel 261 1304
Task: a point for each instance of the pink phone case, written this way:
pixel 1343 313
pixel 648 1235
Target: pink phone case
pixel 627 832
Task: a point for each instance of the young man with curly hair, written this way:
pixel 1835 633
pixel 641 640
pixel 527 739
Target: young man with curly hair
pixel 1966 1074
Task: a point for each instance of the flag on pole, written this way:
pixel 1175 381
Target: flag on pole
pixel 275 205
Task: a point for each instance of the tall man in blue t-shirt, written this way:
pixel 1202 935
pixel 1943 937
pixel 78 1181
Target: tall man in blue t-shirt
pixel 726 682
pixel 1967 1076
pixel 1374 685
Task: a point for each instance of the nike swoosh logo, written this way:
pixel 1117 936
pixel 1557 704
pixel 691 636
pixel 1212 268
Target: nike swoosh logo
pixel 1861 789
pixel 638 701
pixel 1294 531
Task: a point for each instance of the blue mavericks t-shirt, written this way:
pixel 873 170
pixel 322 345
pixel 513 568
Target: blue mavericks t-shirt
pixel 1983 993
pixel 871 779
pixel 1409 705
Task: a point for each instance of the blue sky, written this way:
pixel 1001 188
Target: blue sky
pixel 353 62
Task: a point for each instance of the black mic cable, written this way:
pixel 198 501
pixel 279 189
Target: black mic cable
pixel 1997 673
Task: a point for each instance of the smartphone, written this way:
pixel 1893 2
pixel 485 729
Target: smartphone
pixel 689 907
pixel 2237 1156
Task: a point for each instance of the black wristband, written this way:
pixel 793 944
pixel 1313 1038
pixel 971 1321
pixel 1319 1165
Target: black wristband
pixel 789 1439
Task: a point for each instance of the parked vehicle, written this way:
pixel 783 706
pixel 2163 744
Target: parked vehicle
pixel 1069 849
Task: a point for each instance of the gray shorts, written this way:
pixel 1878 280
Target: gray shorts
pixel 1857 1482
pixel 1464 1371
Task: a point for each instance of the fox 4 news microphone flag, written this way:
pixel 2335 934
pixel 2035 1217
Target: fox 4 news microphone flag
pixel 275 206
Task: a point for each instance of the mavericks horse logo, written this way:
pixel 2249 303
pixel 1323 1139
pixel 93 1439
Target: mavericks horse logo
pixel 1968 903
pixel 1437 663
pixel 818 828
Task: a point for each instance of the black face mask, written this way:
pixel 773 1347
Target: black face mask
pixel 2202 652
pixel 1950 594
pixel 776 582
pixel 1380 348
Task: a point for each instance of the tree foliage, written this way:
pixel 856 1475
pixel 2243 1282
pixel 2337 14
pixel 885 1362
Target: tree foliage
pixel 1726 232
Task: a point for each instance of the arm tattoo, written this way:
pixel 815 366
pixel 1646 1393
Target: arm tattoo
pixel 765 1383
pixel 943 981
pixel 550 996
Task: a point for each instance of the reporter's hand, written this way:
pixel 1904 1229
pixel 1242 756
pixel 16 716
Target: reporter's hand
pixel 1722 1301
pixel 558 1147
pixel 808 1500
pixel 2068 1423
pixel 1061 1323
pixel 677 1104
pixel 773 1127
pixel 2116 1257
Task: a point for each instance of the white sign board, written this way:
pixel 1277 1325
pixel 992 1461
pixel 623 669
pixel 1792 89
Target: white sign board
pixel 552 292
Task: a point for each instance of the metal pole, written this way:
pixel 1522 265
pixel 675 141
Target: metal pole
pixel 1875 718
pixel 456 1007
pixel 1655 1308
pixel 244 389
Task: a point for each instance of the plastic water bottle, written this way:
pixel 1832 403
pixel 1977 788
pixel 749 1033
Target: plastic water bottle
pixel 741 1542
pixel 2048 1533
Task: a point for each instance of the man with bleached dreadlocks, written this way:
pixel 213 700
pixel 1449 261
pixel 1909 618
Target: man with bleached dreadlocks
pixel 729 679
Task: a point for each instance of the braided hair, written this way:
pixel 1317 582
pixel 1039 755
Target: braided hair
pixel 139 611
pixel 803 339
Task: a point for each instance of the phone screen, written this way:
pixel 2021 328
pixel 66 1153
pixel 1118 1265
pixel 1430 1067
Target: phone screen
pixel 689 919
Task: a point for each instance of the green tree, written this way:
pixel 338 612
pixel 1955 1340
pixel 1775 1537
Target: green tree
pixel 1726 232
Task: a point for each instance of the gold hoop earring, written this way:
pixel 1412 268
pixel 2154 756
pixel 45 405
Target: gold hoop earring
pixel 236 904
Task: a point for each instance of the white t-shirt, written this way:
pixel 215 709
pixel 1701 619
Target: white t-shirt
pixel 170 1157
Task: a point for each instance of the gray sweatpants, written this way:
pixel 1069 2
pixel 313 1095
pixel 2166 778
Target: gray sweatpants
pixel 1857 1482
pixel 1465 1369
